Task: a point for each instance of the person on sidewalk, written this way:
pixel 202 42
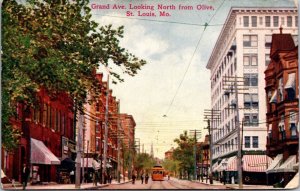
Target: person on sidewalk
pixel 25 175
pixel 146 178
pixel 96 167
pixel 133 178
pixel 142 178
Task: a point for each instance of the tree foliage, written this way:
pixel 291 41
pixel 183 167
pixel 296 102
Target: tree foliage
pixel 184 153
pixel 57 46
pixel 172 166
pixel 143 162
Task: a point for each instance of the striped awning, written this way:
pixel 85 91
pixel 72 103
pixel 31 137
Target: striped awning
pixel 214 167
pixel 231 166
pixel 287 165
pixel 275 163
pixel 274 97
pixel 291 81
pixel 256 163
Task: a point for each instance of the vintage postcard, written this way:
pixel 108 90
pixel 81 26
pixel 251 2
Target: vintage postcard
pixel 149 94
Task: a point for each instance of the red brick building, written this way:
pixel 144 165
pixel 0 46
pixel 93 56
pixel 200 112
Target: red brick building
pixel 169 154
pixel 282 93
pixel 47 137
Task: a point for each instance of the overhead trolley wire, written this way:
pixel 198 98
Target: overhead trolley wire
pixel 190 62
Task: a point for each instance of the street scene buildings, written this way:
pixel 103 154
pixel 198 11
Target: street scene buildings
pixel 78 138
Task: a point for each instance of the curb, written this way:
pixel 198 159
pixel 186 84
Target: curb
pixel 95 187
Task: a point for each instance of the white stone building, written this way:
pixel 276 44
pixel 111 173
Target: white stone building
pixel 242 50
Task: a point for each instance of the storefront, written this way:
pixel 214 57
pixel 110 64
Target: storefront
pixel 43 162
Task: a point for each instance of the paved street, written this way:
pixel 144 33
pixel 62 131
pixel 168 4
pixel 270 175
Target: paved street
pixel 166 184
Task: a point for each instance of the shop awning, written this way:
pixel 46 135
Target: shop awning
pixel 40 154
pixel 287 165
pixel 294 183
pixel 214 167
pixel 2 174
pixel 256 163
pixel 274 97
pixel 222 164
pixel 231 166
pixel 291 81
pixel 274 164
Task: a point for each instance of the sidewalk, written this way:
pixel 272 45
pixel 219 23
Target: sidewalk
pixel 236 186
pixel 55 186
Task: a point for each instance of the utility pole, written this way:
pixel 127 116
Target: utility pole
pixel 197 134
pixel 211 116
pixel 79 150
pixel 118 142
pixel 105 130
pixel 239 161
pixel 233 81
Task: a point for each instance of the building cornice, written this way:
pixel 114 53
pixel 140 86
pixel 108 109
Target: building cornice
pixel 230 21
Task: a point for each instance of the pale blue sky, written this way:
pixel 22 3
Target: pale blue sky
pixel 168 47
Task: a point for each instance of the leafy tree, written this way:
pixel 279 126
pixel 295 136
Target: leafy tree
pixel 184 154
pixel 143 162
pixel 172 166
pixel 55 45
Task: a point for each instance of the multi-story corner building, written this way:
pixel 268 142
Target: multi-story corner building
pixel 243 50
pixel 282 92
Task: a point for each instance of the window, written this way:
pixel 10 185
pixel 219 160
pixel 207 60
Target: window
pixel 231 144
pixel 251 119
pixel 268 41
pixel 246 21
pixel 281 127
pixel 63 124
pixel 250 79
pixel 289 21
pixel 247 142
pixel 268 21
pixel 275 21
pixel 290 87
pixel 254 21
pixel 250 59
pixel 293 126
pixel 250 101
pixel 255 141
pixel 97 144
pixel 267 59
pixel 280 89
pixel 97 127
pixel 250 40
pixel 44 120
pixel 296 21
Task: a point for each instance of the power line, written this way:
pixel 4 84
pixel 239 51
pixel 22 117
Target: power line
pixel 190 62
pixel 161 21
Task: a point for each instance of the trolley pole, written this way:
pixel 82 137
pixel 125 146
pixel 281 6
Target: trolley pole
pixel 197 133
pixel 239 157
pixel 79 150
pixel 118 143
pixel 105 130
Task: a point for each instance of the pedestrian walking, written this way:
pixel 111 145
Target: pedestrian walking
pixel 72 177
pixel 142 178
pixel 146 178
pixel 96 167
pixel 133 178
pixel 25 175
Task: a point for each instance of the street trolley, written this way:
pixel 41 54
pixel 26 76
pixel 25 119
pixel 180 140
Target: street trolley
pixel 158 173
